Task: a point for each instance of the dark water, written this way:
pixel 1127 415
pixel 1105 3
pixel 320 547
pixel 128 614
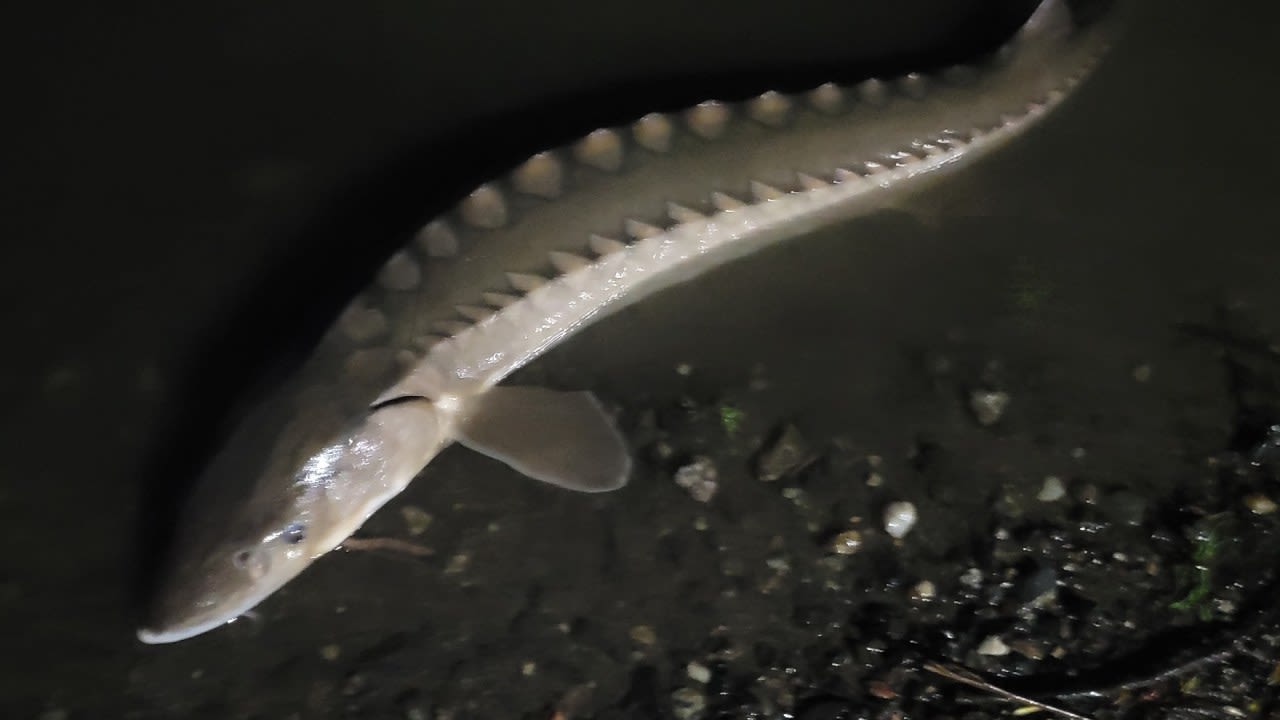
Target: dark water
pixel 193 186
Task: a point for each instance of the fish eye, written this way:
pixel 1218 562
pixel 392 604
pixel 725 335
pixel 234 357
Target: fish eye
pixel 294 533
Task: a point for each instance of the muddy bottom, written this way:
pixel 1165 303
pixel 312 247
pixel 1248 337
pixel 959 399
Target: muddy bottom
pixel 1018 469
pixel 1024 433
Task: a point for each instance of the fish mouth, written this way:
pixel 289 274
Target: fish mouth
pixel 151 635
pixel 161 637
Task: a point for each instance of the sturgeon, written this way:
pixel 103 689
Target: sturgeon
pixel 414 363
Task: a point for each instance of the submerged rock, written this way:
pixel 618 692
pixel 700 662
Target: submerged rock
pixel 788 453
pixel 847 542
pixel 687 703
pixel 699 478
pixel 416 519
pixel 899 518
pixel 1260 504
pixel 993 646
pixel 988 406
pixel 1052 490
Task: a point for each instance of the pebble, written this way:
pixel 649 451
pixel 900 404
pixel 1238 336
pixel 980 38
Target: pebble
pixel 988 406
pixel 698 672
pixel 687 703
pixel 575 702
pixel 847 542
pixel 1260 504
pixel 331 651
pixel 993 646
pixel 924 591
pixel 643 635
pixel 778 564
pixel 1028 649
pixel 1052 490
pixel 457 564
pixel 416 519
pixel 1142 373
pixel 789 452
pixel 881 689
pixel 899 518
pixel 699 479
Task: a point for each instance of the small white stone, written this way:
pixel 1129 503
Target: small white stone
pixel 699 478
pixel 1260 504
pixel 1052 490
pixel 698 672
pixel 993 646
pixel 1142 373
pixel 457 564
pixel 416 519
pixel 847 542
pixel 899 518
pixel 924 590
pixel 778 565
pixel 988 407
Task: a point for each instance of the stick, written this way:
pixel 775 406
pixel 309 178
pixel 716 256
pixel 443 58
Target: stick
pixel 387 543
pixel 961 675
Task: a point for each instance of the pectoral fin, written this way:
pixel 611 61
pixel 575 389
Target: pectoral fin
pixel 563 438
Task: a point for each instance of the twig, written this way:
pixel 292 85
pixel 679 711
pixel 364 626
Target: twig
pixel 961 675
pixel 1177 657
pixel 387 543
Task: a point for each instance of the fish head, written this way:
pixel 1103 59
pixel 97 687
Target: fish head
pixel 309 487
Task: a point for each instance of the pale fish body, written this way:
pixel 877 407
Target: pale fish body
pixel 570 236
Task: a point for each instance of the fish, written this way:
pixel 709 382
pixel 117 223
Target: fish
pixel 415 362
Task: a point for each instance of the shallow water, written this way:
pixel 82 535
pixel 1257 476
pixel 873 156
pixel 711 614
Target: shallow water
pixel 198 184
